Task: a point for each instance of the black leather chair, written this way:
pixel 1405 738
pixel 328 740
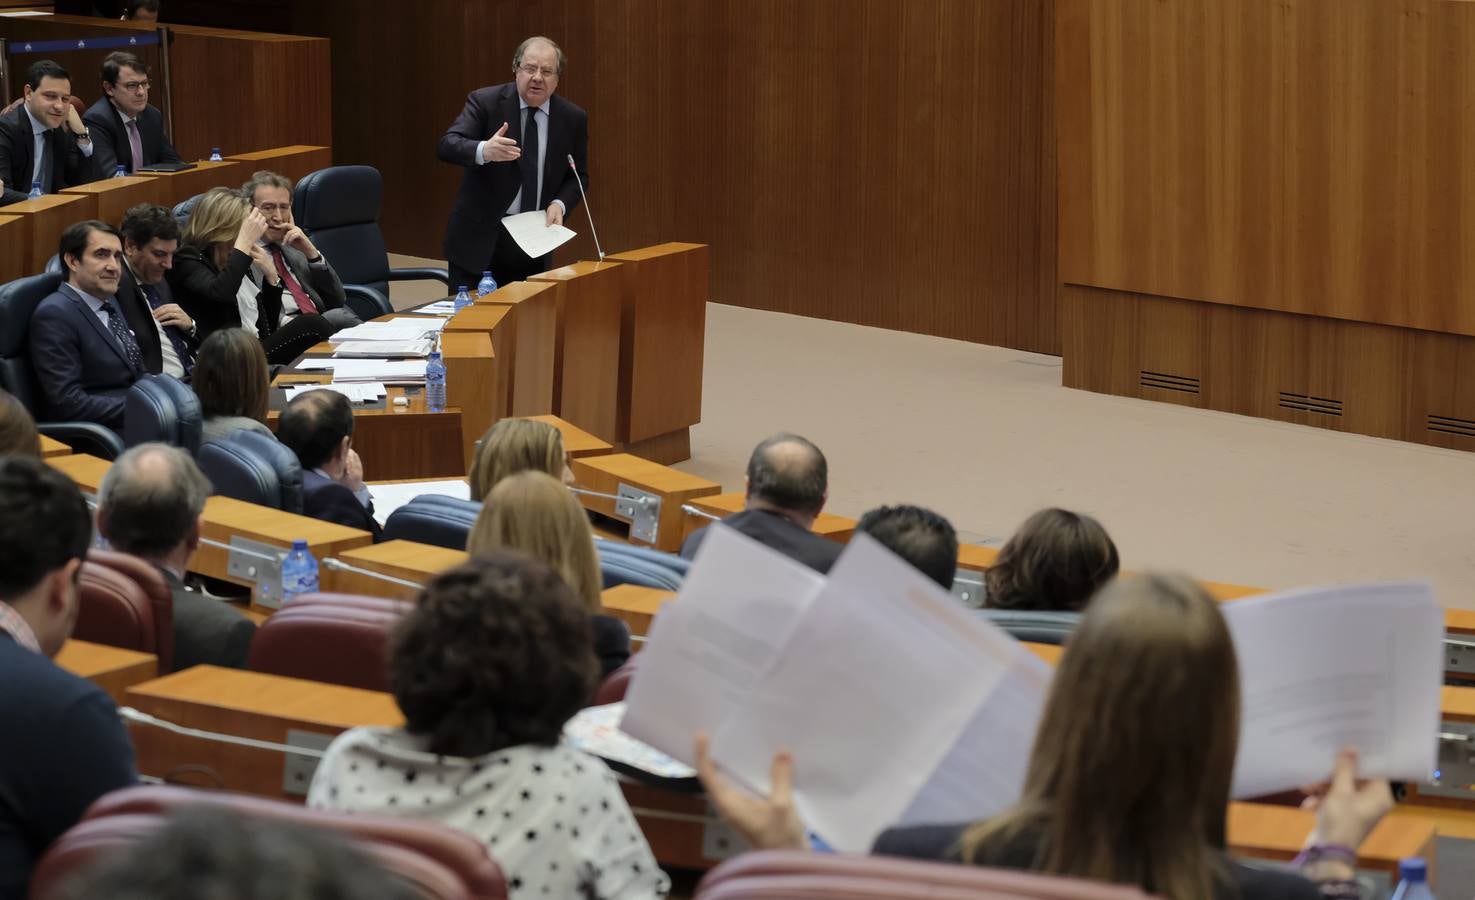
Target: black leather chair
pixel 18 300
pixel 433 519
pixel 254 468
pixel 1035 626
pixel 628 564
pixel 184 208
pixel 162 408
pixel 54 266
pixel 338 207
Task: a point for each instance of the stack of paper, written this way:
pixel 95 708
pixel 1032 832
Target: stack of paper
pixel 365 392
pixel 421 324
pixel 438 308
pixel 370 349
pixel 408 371
pixel 392 330
pixel 390 497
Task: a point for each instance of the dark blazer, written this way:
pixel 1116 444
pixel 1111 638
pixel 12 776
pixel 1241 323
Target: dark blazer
pixel 208 294
pixel 110 137
pixel 64 747
pixel 487 190
pixel 939 843
pixel 69 166
pixel 611 642
pixel 318 279
pixel 140 318
pixel 82 371
pixel 773 530
pixel 326 499
pixel 207 632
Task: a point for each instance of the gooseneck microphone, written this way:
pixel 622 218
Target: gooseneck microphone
pixel 587 211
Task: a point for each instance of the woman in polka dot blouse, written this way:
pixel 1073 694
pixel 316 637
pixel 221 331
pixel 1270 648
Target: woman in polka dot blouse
pixel 487 668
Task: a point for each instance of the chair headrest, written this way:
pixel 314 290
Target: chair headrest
pixel 338 196
pixel 282 460
pixel 431 519
pixel 18 300
pixel 238 472
pixel 114 610
pixel 162 408
pixel 151 581
pixel 1035 626
pixel 333 643
pixel 185 208
pixel 616 568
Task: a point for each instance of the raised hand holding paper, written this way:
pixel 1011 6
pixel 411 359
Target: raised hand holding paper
pixel 534 235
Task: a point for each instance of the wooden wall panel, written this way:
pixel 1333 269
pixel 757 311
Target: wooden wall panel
pixel 887 162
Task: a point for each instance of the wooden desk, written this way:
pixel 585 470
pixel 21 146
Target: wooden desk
pixel 975 558
pixel 398 559
pixel 577 442
pixel 296 161
pixel 836 528
pixel 245 704
pixel 111 668
pixel 176 187
pixel 45 219
pixel 635 606
pixel 52 448
pixel 586 364
pixel 112 197
pixel 472 386
pixel 605 474
pixel 526 344
pixel 226 518
pixel 86 471
pixel 400 442
pixel 14 247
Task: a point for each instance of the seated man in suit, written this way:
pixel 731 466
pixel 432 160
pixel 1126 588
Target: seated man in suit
pixel 43 141
pixel 64 745
pixel 165 332
pixel 788 482
pixel 318 427
pixel 149 506
pixel 141 11
pixel 82 349
pixel 309 284
pixel 126 130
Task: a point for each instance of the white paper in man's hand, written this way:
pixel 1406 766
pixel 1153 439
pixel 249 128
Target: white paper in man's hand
pixel 1325 668
pixel 533 233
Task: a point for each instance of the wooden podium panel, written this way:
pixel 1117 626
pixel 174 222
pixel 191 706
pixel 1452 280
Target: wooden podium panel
pixel 175 187
pixel 472 386
pixel 113 669
pixel 586 388
pixel 577 442
pixel 662 339
pixel 115 196
pixel 295 161
pixel 50 447
pixel 14 241
pixel 836 528
pixel 975 558
pixel 405 560
pixel 606 474
pixel 526 344
pixel 251 705
pixel 45 219
pixel 635 606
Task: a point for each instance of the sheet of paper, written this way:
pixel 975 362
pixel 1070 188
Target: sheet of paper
pixel 408 371
pixel 420 323
pixel 534 235
pixel 390 497
pixel 393 330
pixel 366 392
pixel 596 730
pixel 438 308
pixel 374 349
pixel 884 674
pixel 707 648
pixel 1325 668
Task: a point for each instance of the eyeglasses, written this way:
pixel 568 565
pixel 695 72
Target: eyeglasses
pixel 134 87
pixel 530 70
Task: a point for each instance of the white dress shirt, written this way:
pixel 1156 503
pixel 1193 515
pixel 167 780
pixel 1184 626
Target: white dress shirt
pixel 38 130
pixel 516 206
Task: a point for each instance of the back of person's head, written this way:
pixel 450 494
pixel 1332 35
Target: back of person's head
pixel 536 514
pixel 216 218
pixel 204 852
pixel 44 68
pixel 231 376
pixel 148 221
pixel 1056 561
pixel 1130 774
pixel 789 472
pixel 150 500
pixel 264 178
pixel 496 653
pixel 314 424
pixel 919 536
pixel 113 63
pixel 44 533
pixel 18 435
pixel 511 446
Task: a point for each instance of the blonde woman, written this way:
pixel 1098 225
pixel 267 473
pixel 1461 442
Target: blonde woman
pixel 210 278
pixel 534 513
pixel 517 445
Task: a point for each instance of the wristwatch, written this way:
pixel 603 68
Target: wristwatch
pixel 83 135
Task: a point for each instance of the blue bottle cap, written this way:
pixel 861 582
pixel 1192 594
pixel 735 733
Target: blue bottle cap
pixel 461 288
pixel 1413 869
pixel 299 544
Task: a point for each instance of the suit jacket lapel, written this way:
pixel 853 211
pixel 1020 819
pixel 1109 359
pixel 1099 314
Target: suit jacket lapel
pixel 27 149
pixel 101 329
pixel 551 156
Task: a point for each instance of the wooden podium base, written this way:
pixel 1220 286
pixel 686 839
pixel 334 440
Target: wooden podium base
pixel 666 449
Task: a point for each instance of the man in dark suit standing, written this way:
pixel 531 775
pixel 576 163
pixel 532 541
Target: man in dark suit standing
pixel 43 140
pixel 165 333
pixel 82 349
pixel 127 131
pixel 514 140
pixel 318 427
pixel 149 505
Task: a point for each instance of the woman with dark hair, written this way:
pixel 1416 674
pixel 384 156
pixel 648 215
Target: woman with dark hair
pixel 1129 778
pixel 489 665
pixel 231 379
pixel 1055 561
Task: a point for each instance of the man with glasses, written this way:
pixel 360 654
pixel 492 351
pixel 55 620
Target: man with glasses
pixel 309 284
pixel 514 140
pixel 128 131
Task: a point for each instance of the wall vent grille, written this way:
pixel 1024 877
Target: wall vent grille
pixel 1183 384
pixel 1320 405
pixel 1451 425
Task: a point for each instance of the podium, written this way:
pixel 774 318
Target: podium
pixel 525 341
pixel 586 353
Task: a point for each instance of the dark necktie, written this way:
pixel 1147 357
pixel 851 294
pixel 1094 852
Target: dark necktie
pixel 304 302
pixel 176 340
pixel 120 330
pixel 47 158
pixel 528 162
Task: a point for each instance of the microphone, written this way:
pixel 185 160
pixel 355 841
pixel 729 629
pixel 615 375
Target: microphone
pixel 587 211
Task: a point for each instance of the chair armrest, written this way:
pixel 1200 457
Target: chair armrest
pixel 84 437
pixel 366 302
pixel 425 274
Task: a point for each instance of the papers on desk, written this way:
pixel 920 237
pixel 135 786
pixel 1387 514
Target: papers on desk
pixel 595 730
pixel 438 308
pixel 420 323
pixel 406 371
pixel 533 233
pixel 390 497
pixel 388 331
pixel 1325 668
pixel 370 349
pixel 366 392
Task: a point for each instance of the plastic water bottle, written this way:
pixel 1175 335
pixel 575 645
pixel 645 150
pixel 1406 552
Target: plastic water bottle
pixel 215 155
pixel 1413 880
pixel 486 285
pixel 463 298
pixel 435 382
pixel 120 172
pixel 299 572
pixel 35 191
